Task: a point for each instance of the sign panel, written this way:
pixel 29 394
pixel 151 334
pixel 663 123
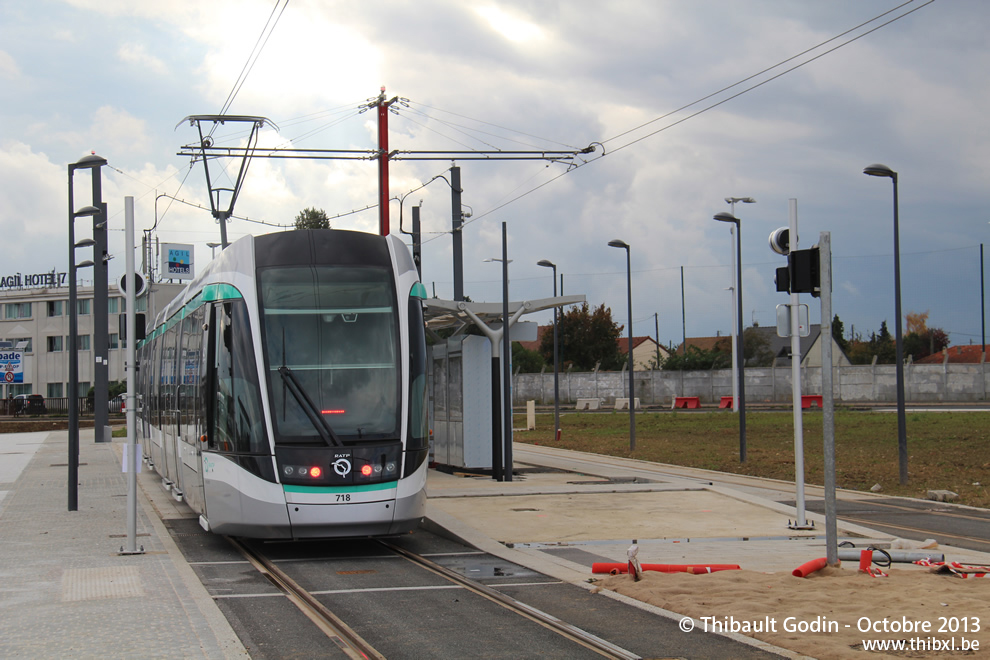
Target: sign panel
pixel 784 321
pixel 12 366
pixel 177 261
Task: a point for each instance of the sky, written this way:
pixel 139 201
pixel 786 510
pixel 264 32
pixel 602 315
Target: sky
pixel 686 103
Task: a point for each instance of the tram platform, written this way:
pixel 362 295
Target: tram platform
pixel 68 591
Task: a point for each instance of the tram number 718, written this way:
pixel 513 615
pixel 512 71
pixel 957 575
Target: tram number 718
pixel 343 497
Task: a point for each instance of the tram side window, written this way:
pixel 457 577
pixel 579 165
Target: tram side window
pixel 190 400
pixel 238 422
pixel 166 380
pixel 154 352
pixel 418 413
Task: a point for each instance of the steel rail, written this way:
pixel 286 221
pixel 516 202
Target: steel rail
pixel 941 512
pixel 352 644
pixel 575 634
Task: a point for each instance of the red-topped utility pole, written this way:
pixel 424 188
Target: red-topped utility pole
pixel 383 156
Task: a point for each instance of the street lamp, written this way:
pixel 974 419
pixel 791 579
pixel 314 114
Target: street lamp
pixel 616 243
pixel 213 249
pixel 731 201
pixel 506 357
pixel 882 170
pixel 556 381
pixel 740 355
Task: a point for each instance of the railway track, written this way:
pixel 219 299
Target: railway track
pixel 349 642
pixel 330 620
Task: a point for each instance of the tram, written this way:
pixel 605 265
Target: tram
pixel 283 392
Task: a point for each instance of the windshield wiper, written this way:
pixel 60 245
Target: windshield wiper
pixel 312 412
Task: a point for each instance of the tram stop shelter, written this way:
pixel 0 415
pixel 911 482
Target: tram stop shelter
pixel 466 383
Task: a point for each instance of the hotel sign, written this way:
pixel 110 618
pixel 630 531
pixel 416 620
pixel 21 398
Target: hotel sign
pixel 26 280
pixel 12 366
pixel 177 262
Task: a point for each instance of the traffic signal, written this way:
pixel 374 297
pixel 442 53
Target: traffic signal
pixel 802 273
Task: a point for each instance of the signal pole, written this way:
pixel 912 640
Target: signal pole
pixel 383 156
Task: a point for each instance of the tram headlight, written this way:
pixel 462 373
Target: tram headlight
pixel 366 470
pixel 303 472
pixel 390 467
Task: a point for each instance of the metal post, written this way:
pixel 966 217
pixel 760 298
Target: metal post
pixel 656 330
pixel 796 376
pixel 93 163
pixel 417 241
pixel 455 225
pixel 902 454
pixel 683 317
pixel 72 395
pixel 828 404
pixel 616 243
pixel 556 365
pixel 632 382
pixel 741 353
pixel 735 325
pixel 222 219
pixel 878 169
pixel 506 362
pixel 133 451
pixel 983 308
pixel 101 340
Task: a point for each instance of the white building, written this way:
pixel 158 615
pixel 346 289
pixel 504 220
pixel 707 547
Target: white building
pixel 34 329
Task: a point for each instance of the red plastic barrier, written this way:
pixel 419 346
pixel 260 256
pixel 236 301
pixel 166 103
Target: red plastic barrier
pixel 865 560
pixel 694 569
pixel 804 570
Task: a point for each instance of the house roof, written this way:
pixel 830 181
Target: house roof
pixel 703 343
pixel 623 342
pixel 781 346
pixel 970 354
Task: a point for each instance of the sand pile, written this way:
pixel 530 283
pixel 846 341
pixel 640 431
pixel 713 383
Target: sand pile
pixel 832 613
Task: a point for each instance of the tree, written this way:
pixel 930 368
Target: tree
pixel 585 338
pixel 838 332
pixel 525 360
pixel 312 218
pixel 698 359
pixel 920 340
pixel 756 348
pixel 879 345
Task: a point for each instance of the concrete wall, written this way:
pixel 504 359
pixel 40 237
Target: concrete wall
pixel 852 384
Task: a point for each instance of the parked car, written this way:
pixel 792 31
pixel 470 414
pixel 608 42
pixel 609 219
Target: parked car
pixel 29 404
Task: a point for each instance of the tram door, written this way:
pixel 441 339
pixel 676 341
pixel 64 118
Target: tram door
pixel 169 408
pixel 189 419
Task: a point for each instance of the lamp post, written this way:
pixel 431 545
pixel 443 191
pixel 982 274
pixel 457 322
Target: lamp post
pixel 740 355
pixel 506 421
pixel 93 163
pixel 556 380
pixel 882 170
pixel 213 249
pixel 731 201
pixel 616 243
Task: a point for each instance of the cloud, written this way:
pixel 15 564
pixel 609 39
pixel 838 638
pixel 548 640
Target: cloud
pixel 8 66
pixel 137 55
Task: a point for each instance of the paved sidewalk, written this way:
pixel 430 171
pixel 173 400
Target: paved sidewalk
pixel 66 592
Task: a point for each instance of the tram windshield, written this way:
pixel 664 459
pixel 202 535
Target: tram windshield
pixel 333 332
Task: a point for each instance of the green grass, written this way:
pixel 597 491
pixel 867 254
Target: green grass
pixel 946 450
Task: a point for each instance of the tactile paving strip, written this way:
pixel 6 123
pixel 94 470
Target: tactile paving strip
pixel 97 583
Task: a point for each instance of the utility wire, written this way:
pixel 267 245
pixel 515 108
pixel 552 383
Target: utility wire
pixel 253 56
pixel 575 166
pixel 766 70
